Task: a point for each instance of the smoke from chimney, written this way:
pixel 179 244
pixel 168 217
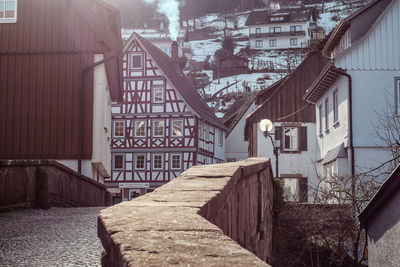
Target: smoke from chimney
pixel 170 8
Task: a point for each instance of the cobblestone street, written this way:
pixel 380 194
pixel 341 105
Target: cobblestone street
pixel 54 237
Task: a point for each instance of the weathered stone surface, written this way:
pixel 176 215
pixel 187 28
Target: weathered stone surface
pixel 188 221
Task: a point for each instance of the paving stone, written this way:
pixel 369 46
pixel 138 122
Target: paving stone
pixel 54 237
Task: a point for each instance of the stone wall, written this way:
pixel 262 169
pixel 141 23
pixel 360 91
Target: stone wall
pixel 45 184
pixel 195 219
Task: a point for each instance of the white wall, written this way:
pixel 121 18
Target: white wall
pixel 303 163
pixel 101 157
pixel 236 146
pixel 219 151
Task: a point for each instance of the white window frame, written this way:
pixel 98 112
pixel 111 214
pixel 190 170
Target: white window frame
pixel 335 105
pixel 259 43
pixel 320 118
pixel 153 161
pixel 276 29
pixel 397 95
pixel 144 162
pixel 172 127
pixel 153 94
pixel 326 114
pixel 273 43
pixel 131 55
pixel 172 160
pixel 293 41
pixel 145 128
pixel 296 28
pixel 123 162
pixel 154 128
pixel 294 139
pixel 258 31
pixel 123 128
pixel 9 20
pixel 220 137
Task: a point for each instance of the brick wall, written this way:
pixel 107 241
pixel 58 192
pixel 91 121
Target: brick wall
pixel 45 184
pixel 207 216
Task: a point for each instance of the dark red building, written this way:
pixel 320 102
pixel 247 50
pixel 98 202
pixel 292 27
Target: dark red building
pixel 59 70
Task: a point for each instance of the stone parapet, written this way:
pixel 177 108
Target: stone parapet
pixel 46 183
pixel 207 216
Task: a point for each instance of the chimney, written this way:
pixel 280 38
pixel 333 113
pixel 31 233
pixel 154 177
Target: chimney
pixel 174 53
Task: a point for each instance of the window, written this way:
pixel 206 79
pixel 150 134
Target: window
pixel 158 128
pixel 139 162
pixel 320 118
pixel 134 193
pixel 258 31
pixel 157 161
pixel 175 161
pixel 140 128
pixel 275 29
pixel 326 114
pixel 177 128
pixel 397 95
pixel 136 61
pixel 276 18
pixel 259 43
pixel 118 162
pixel 290 139
pixel 293 41
pixel 335 106
pixel 158 95
pixel 220 137
pixel 272 43
pixel 119 129
pixel 296 28
pixel 8 11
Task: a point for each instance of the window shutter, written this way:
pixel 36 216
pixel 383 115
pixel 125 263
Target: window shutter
pixel 303 138
pixel 278 134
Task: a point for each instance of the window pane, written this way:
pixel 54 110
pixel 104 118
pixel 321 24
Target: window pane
pixel 177 128
pixel 119 129
pixel 140 128
pixel 157 161
pixel 118 162
pixel 290 138
pixel 176 161
pixel 158 128
pixel 140 162
pixel 158 95
pixel 136 61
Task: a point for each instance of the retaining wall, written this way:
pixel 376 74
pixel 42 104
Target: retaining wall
pixel 195 220
pixel 45 184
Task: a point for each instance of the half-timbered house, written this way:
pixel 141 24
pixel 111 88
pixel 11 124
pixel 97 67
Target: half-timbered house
pixel 163 126
pixel 60 68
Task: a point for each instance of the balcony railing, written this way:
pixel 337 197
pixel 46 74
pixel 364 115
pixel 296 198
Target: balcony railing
pixel 277 34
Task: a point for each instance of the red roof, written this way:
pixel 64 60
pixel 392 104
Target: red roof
pixel 179 80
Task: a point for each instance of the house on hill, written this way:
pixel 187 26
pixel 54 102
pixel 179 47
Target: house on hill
pixel 163 126
pixel 293 134
pixel 358 91
pixel 236 148
pixel 229 66
pixel 59 71
pixel 281 29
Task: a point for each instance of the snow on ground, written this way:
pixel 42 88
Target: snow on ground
pixel 203 48
pixel 251 79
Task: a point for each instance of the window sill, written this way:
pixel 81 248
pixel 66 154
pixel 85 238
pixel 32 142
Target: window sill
pixel 336 124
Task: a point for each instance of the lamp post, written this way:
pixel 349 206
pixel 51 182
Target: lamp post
pixel 266 126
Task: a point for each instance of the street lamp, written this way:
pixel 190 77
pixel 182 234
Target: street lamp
pixel 266 126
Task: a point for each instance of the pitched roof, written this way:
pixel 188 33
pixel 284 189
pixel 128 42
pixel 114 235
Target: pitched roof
pixel 179 80
pixel 291 15
pixel 363 18
pixel 234 114
pixel 388 188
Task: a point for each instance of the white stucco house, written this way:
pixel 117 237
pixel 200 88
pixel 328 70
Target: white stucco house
pixel 357 87
pixel 236 148
pixel 293 134
pixel 281 29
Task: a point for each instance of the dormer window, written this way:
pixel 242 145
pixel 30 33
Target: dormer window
pixel 8 11
pixel 276 18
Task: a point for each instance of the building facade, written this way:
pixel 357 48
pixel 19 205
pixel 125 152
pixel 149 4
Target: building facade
pixel 59 71
pixel 281 29
pixel 357 91
pixel 163 126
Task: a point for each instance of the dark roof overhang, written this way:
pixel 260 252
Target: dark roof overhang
pixel 388 188
pixel 324 80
